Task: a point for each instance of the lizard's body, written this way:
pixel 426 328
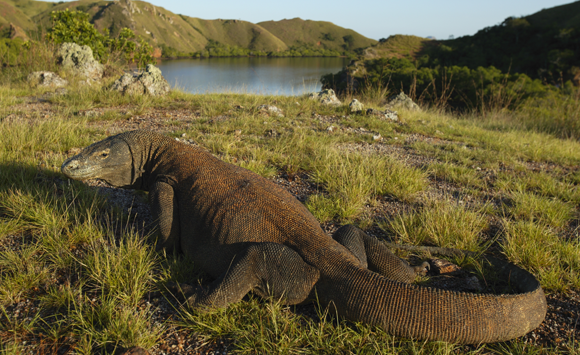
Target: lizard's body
pixel 251 235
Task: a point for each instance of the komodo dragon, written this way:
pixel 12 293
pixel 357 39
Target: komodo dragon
pixel 251 235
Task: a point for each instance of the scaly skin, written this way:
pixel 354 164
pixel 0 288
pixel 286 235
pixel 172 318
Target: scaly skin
pixel 251 235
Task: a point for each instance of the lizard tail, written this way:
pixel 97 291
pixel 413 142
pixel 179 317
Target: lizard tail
pixel 425 313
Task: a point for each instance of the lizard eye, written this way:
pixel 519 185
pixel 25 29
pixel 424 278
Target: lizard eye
pixel 104 154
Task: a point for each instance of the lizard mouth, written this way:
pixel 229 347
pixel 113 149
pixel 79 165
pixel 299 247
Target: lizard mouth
pixel 74 169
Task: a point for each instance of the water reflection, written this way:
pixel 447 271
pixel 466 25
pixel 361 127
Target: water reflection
pixel 270 76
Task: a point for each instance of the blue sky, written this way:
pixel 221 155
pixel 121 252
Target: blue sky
pixel 372 18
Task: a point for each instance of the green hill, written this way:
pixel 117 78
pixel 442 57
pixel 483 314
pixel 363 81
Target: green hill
pixel 397 46
pixel 542 45
pixel 10 14
pixel 155 24
pixel 298 32
pixel 31 7
pixel 184 34
pixel 564 16
pixel 237 33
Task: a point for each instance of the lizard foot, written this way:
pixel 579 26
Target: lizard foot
pixel 421 270
pixel 181 290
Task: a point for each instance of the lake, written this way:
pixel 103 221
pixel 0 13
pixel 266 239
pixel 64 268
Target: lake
pixel 259 75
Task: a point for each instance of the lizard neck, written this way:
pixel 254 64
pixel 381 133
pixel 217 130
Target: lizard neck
pixel 151 156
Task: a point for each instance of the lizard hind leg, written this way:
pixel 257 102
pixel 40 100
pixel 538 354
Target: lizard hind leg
pixel 372 252
pixel 268 270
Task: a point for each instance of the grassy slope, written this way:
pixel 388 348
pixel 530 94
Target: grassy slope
pixel 297 31
pixel 31 7
pixel 399 46
pixel 11 14
pixel 237 33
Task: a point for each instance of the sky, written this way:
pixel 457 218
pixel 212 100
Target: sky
pixel 372 18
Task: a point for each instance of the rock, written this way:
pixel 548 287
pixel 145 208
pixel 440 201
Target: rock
pixel 325 97
pixel 272 133
pixel 150 81
pixel 377 137
pixel 387 114
pixel 330 129
pixel 129 5
pixel 402 100
pixel 272 110
pixel 91 113
pixel 441 267
pixel 46 78
pixel 79 60
pixel 391 115
pixel 355 106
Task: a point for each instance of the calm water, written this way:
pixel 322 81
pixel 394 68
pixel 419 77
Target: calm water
pixel 276 76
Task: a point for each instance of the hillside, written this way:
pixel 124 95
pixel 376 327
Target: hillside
pixel 184 34
pixel 31 7
pixel 397 46
pixel 10 14
pixel 543 46
pixel 563 16
pixel 237 33
pixel 298 32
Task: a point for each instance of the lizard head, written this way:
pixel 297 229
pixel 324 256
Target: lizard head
pixel 110 160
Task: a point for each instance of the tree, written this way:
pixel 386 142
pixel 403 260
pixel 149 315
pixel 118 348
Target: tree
pixel 349 41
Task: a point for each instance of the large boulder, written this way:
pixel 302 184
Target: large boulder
pixel 79 60
pixel 47 79
pixel 326 97
pixel 402 101
pixel 150 81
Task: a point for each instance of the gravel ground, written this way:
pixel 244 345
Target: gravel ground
pixel 562 321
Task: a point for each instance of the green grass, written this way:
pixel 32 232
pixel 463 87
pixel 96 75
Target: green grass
pixel 534 246
pixel 441 223
pixel 91 273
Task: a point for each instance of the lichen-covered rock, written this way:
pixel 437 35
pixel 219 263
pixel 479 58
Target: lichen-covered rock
pixel 47 79
pixel 150 81
pixel 387 114
pixel 79 60
pixel 271 110
pixel 355 106
pixel 402 100
pixel 326 97
pixel 391 115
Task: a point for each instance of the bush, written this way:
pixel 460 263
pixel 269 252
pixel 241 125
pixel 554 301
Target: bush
pixel 454 86
pixel 74 26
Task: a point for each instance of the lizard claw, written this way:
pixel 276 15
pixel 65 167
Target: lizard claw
pixel 180 289
pixel 422 269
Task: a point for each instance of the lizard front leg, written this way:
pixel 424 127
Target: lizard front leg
pixel 165 213
pixel 266 269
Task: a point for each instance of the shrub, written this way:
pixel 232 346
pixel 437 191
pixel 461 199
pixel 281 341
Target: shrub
pixel 74 26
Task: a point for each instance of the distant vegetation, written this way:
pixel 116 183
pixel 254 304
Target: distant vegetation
pixel 520 59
